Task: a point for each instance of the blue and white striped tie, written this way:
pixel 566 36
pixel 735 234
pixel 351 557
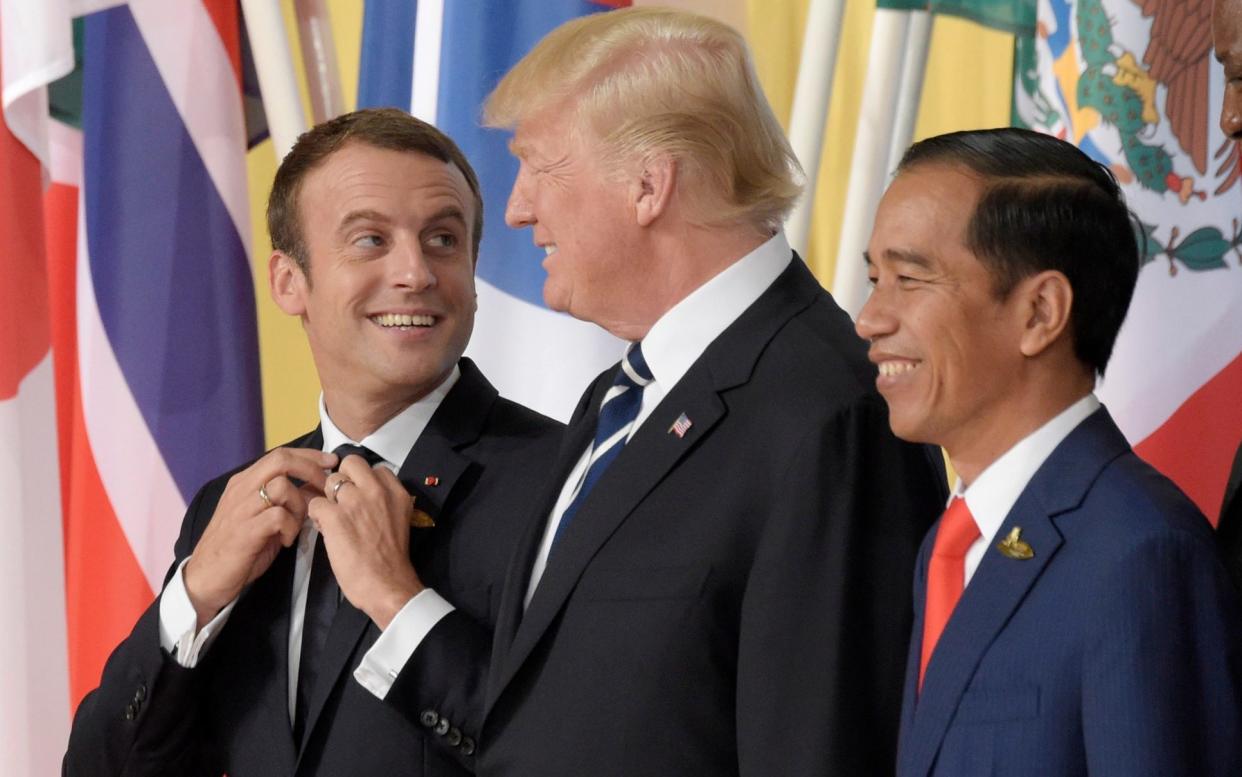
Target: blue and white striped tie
pixel 616 419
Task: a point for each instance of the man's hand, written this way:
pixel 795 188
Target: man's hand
pixel 245 532
pixel 365 520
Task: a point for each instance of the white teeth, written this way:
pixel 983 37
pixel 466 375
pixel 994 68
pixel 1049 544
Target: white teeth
pixel 548 250
pixel 889 369
pixel 402 320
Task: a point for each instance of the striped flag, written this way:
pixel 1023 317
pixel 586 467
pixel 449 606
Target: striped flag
pixel 535 356
pixel 1135 86
pixel 34 717
pixel 148 309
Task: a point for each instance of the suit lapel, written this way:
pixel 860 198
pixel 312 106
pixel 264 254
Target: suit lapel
pixel 579 433
pixel 647 460
pixel 430 473
pixel 997 588
pixel 1000 584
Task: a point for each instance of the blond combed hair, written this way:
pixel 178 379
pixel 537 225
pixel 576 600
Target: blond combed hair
pixel 653 81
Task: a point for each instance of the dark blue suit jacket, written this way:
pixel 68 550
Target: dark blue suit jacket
pixel 1116 650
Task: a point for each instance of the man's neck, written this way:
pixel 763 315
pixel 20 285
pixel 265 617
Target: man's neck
pixel 692 256
pixel 988 439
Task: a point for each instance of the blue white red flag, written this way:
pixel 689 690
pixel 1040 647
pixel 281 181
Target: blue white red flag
pixel 441 66
pixel 148 310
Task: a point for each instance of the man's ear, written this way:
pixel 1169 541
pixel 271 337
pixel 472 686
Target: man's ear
pixel 1046 301
pixel 654 191
pixel 287 283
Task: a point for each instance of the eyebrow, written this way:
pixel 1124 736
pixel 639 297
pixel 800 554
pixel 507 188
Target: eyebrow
pixel 361 215
pixel 909 257
pixel 896 255
pixel 449 212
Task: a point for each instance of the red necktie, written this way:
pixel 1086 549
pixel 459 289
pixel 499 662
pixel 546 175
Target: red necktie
pixel 946 574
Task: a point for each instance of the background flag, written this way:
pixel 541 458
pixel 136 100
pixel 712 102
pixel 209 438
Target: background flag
pixel 34 717
pixel 127 279
pixel 1136 87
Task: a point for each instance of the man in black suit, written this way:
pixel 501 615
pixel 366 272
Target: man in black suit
pixel 717 577
pixel 251 662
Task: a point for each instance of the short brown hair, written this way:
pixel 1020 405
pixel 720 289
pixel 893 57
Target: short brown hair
pixel 386 128
pixel 651 81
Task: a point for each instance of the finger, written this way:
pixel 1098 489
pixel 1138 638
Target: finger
pixel 362 474
pixel 389 482
pixel 302 463
pixel 335 484
pixel 282 492
pixel 279 523
pixel 323 512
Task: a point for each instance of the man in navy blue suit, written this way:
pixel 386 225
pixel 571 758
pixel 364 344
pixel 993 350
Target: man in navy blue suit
pixel 1071 614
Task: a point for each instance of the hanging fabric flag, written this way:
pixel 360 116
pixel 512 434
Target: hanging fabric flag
pixel 140 208
pixel 1134 85
pixel 34 676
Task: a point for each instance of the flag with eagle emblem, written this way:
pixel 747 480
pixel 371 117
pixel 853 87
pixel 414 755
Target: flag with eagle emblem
pixel 1134 85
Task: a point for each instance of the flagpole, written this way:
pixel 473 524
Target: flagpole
pixel 425 82
pixel 323 78
pixel 812 96
pixel 914 68
pixel 273 62
pixel 873 138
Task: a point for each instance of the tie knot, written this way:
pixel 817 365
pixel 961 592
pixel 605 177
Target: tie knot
pixel 634 371
pixel 349 449
pixel 957 531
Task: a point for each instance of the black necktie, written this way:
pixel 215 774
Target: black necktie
pixel 322 597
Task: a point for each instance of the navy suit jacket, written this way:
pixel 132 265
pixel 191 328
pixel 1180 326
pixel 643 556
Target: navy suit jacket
pixel 1114 651
pixel 230 713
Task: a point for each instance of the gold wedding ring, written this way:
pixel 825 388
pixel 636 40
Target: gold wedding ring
pixel 267 500
pixel 337 486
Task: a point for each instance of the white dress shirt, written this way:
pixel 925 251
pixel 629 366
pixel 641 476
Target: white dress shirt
pixel 393 442
pixel 672 346
pixel 994 492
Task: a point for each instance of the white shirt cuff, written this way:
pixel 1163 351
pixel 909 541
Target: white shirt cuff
pixel 387 657
pixel 178 622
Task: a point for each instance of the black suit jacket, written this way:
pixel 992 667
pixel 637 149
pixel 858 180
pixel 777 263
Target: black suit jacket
pixel 230 713
pixel 1229 528
pixel 731 601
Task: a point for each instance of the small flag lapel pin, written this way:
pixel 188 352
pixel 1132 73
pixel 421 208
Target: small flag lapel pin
pixel 680 426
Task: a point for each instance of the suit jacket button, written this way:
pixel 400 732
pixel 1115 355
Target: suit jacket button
pixel 131 712
pixel 453 738
pixel 467 746
pixel 442 727
pixel 140 695
pixel 429 718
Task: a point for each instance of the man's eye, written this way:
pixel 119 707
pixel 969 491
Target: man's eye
pixel 872 280
pixel 369 241
pixel 445 240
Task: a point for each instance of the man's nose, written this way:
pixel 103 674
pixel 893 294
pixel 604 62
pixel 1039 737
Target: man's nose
pixel 518 211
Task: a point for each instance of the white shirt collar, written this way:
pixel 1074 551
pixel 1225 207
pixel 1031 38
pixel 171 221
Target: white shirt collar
pixel 994 492
pixel 396 437
pixel 681 335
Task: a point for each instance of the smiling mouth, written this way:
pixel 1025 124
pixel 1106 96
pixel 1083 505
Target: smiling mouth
pixel 890 369
pixel 549 249
pixel 402 321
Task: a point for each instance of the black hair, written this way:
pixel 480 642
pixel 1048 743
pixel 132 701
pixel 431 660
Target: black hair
pixel 1047 206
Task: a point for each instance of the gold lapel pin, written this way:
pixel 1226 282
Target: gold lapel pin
pixel 1013 546
pixel 419 519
